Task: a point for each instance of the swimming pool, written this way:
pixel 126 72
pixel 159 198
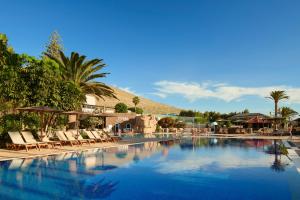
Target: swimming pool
pixel 192 169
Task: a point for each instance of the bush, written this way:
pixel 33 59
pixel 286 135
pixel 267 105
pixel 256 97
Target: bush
pixel 9 122
pixel 167 122
pixel 121 108
pixel 137 110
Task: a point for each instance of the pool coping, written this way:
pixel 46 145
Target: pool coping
pixel 291 149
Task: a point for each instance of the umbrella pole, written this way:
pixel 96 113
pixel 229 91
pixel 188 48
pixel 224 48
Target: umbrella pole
pixel 42 124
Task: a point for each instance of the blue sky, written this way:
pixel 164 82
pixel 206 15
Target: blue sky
pixel 202 55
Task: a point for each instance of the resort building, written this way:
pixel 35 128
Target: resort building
pixel 251 120
pixel 120 122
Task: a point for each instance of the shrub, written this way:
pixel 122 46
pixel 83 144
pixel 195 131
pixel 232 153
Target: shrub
pixel 167 122
pixel 121 108
pixel 137 110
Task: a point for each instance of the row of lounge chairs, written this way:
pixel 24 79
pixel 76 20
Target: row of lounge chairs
pixel 72 137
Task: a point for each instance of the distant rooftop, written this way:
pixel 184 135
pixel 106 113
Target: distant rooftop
pixel 246 116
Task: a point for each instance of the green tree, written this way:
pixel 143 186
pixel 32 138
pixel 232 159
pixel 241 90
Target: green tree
pixel 135 101
pixel 121 108
pixel 83 73
pixel 137 110
pixel 54 46
pixel 167 122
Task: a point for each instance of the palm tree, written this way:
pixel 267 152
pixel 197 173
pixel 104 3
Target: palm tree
pixel 135 101
pixel 83 73
pixel 287 113
pixel 276 96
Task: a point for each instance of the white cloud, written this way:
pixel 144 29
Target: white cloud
pixel 224 159
pixel 129 90
pixel 195 91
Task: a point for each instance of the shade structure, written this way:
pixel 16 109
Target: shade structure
pixel 81 113
pixel 41 110
pixel 257 120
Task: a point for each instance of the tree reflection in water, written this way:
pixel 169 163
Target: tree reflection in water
pixel 278 150
pixel 99 189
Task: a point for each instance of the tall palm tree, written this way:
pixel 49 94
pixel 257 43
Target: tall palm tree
pixel 276 96
pixel 83 73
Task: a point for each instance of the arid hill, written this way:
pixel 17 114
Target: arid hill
pixel 147 105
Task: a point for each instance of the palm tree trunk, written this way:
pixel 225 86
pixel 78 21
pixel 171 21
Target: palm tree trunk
pixel 276 109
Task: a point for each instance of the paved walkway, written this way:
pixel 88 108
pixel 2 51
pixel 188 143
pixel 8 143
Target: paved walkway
pixel 11 154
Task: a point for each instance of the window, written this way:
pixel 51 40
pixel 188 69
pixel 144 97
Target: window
pixel 128 126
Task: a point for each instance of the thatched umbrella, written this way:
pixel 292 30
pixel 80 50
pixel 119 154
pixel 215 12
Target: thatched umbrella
pixel 41 110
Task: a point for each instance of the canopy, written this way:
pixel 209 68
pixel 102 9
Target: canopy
pixel 39 109
pixel 257 120
pixel 42 110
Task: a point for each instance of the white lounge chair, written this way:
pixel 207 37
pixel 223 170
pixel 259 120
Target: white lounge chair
pixel 70 135
pixel 91 136
pixel 95 133
pixel 18 141
pixel 80 138
pixel 61 136
pixel 51 142
pixel 30 139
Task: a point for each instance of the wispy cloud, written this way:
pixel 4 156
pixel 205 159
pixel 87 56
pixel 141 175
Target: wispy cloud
pixel 129 90
pixel 195 91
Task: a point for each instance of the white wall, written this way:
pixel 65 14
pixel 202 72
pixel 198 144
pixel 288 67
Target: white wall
pixel 90 99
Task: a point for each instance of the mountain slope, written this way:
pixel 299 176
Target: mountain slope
pixel 147 105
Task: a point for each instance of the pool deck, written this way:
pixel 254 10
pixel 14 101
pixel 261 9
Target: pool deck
pixel 12 154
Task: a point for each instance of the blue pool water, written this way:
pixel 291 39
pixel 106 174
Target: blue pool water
pixel 191 169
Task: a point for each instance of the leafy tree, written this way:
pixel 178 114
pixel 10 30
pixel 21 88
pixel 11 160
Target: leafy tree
pixel 121 108
pixel 12 88
pixel 187 113
pixel 83 73
pixel 135 101
pixel 54 46
pixel 167 122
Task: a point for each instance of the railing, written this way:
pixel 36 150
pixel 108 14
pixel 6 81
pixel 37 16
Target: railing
pixel 97 109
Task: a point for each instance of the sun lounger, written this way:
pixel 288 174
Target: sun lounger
pixel 18 141
pixel 61 136
pixel 91 136
pixel 95 133
pixel 51 142
pixel 80 138
pixel 107 137
pixel 71 133
pixel 30 139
